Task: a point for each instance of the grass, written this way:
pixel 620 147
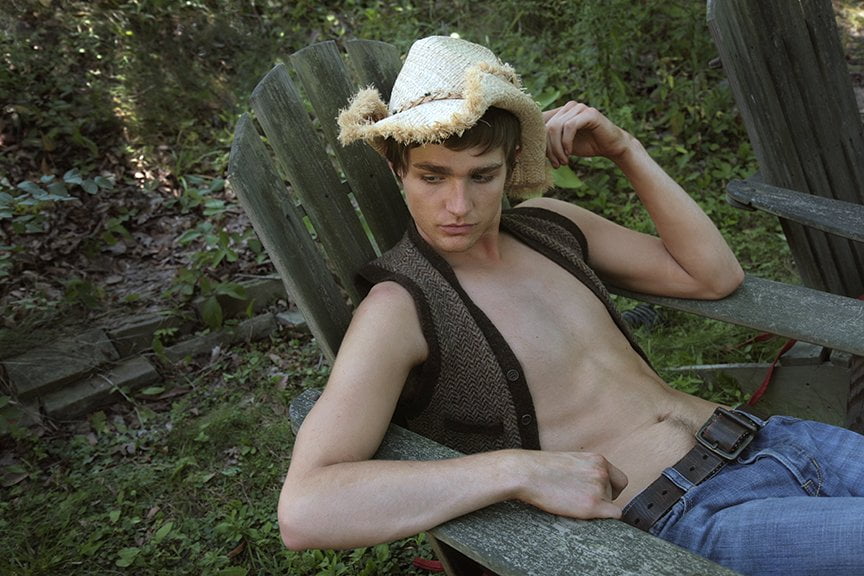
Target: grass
pixel 186 486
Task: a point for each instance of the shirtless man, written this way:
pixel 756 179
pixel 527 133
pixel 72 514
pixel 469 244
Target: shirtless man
pixel 607 424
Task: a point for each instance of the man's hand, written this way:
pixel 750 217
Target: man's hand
pixel 579 130
pixel 574 484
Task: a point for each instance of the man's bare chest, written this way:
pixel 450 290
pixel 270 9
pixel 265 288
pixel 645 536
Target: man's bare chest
pixel 545 313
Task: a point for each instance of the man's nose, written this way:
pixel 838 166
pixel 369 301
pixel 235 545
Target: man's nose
pixel 458 201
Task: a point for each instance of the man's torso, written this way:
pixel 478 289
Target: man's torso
pixel 592 392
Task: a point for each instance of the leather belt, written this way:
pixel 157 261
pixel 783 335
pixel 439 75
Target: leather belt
pixel 720 440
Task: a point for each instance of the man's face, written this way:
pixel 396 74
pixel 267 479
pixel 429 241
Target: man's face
pixel 454 196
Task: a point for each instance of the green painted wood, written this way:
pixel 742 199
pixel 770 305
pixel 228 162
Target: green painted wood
pixel 329 85
pixel 308 280
pixel 788 74
pixel 787 310
pixel 833 216
pixel 514 539
pixel 300 154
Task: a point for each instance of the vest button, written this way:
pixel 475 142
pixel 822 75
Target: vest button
pixel 526 419
pixel 512 375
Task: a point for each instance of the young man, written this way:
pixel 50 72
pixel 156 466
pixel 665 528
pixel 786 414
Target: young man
pixel 490 332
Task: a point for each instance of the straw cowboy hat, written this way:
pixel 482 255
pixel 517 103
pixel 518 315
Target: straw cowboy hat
pixel 445 85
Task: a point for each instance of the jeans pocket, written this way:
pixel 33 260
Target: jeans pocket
pixel 796 461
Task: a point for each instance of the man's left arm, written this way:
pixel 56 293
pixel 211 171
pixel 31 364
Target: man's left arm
pixel 688 257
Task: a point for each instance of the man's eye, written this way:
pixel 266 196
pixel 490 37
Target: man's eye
pixel 430 178
pixel 483 178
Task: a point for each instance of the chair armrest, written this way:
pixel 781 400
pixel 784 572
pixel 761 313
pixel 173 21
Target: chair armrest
pixel 787 310
pixel 837 217
pixel 512 538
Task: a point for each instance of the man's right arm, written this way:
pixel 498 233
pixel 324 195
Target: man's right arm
pixel 334 496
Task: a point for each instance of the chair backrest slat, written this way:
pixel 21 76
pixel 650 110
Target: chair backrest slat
pixel 282 114
pixel 329 85
pixel 298 260
pixel 788 74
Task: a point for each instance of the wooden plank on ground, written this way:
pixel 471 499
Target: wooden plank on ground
pixel 814 391
pixel 512 538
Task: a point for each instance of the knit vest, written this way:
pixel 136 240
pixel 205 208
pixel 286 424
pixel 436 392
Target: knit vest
pixel 470 394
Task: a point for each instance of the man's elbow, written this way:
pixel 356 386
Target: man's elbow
pixel 291 526
pixel 725 284
pixel 291 538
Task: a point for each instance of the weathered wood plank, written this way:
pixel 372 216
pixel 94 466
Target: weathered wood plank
pixel 328 86
pixel 514 539
pixel 55 364
pixel 787 72
pixel 792 311
pixel 299 152
pixel 298 260
pixel 827 214
pixel 375 64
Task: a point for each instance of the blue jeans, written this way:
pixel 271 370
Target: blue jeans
pixel 793 503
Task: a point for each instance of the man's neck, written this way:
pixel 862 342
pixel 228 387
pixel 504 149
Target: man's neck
pixel 485 253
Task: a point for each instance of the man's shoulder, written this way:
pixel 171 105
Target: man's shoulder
pixel 544 202
pixel 553 218
pixel 389 312
pixel 552 206
pixel 388 296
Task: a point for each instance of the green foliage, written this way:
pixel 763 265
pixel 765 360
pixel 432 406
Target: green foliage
pixel 29 207
pixel 26 206
pixel 189 489
pixel 216 246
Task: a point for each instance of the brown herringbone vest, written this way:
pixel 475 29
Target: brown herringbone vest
pixel 471 393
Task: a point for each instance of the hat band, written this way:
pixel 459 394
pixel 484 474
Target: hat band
pixel 428 97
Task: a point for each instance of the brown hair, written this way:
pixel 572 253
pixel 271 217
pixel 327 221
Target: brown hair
pixel 496 128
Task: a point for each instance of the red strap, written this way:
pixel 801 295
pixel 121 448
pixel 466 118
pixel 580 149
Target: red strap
pixel 769 375
pixel 437 566
pixel 428 565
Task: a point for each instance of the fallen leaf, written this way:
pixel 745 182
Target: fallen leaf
pixel 9 480
pixel 237 550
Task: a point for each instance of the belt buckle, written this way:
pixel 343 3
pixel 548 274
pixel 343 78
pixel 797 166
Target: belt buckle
pixel 749 432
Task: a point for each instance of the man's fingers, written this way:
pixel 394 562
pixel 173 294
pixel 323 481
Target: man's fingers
pixel 608 510
pixel 562 125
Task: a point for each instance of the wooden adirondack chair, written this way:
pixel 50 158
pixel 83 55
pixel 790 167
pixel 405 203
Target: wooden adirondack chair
pixel 333 220
pixel 788 74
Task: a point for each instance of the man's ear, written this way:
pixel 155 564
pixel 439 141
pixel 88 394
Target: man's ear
pixel 395 173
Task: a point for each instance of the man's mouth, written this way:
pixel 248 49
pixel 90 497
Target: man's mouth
pixel 457 229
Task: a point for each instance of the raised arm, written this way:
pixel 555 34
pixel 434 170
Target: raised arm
pixel 334 496
pixel 688 258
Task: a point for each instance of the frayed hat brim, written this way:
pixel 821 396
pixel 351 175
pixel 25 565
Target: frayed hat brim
pixel 434 117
